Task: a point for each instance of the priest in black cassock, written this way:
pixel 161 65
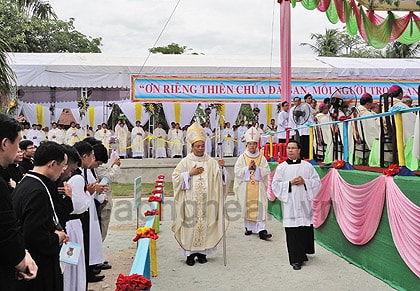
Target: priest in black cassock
pixel 33 205
pixel 295 184
pixel 14 260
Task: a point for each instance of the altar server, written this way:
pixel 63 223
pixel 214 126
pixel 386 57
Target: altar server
pixel 295 184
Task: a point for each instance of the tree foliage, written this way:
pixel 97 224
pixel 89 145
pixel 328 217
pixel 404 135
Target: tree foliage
pixel 7 76
pixel 400 50
pixel 338 43
pixel 37 8
pixel 34 34
pixel 170 49
pixel 327 44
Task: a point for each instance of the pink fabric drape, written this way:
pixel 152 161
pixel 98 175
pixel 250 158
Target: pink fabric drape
pixel 270 193
pixel 323 5
pixel 322 201
pixel 356 217
pixel 358 208
pixel 339 6
pixel 285 50
pixel 404 221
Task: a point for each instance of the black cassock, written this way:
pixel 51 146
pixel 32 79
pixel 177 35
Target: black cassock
pixel 34 212
pixel 12 249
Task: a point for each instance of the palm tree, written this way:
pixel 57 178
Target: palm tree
pixel 397 49
pixel 327 45
pixel 7 76
pixel 36 8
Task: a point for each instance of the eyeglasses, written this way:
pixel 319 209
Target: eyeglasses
pixel 64 167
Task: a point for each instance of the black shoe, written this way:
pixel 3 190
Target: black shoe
pixel 191 260
pixel 95 278
pixel 264 235
pixel 95 271
pixel 201 258
pixel 247 232
pixel 297 266
pixel 104 266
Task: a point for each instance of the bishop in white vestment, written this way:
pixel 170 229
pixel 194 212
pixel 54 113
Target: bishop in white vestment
pixel 250 185
pixel 199 197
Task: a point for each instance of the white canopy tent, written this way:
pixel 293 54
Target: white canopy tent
pixel 60 77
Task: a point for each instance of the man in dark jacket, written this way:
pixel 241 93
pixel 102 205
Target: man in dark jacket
pixel 28 148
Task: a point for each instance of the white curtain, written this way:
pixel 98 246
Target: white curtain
pixel 129 109
pixel 231 112
pixel 186 113
pixel 265 116
pixel 30 112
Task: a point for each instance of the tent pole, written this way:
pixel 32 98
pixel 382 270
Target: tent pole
pixel 52 103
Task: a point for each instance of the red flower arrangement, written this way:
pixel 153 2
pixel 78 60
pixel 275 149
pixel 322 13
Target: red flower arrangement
pixel 338 164
pixel 145 232
pixel 155 199
pixel 132 282
pixel 157 191
pixel 150 213
pixel 161 177
pixel 392 170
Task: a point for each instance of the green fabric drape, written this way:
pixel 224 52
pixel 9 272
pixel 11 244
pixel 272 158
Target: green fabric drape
pixel 378 35
pixel 412 33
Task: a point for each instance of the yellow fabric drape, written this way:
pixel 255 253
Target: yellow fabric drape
pixel 400 138
pixel 222 114
pixel 138 108
pixel 91 111
pixel 40 114
pixel 177 110
pixel 269 110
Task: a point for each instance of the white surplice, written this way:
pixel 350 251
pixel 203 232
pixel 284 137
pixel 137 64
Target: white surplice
pixel 96 252
pixel 74 276
pixel 296 204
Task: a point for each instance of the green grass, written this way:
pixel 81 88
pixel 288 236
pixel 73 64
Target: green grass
pixel 127 189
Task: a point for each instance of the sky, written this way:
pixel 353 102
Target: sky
pixel 210 27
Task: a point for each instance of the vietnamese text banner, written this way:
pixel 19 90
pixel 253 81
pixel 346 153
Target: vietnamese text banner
pixel 225 90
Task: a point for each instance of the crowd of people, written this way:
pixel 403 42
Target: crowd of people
pixel 52 194
pixel 362 134
pixel 160 143
pixel 140 143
